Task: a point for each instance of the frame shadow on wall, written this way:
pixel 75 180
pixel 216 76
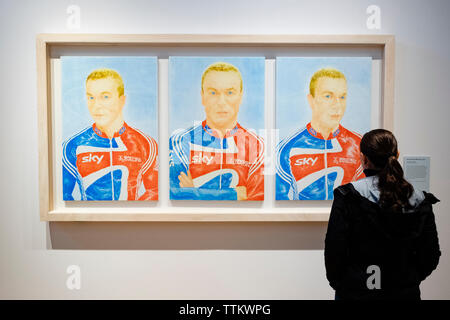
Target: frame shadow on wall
pixel 187 235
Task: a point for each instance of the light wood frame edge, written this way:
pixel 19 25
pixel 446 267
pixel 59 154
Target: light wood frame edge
pixel 44 42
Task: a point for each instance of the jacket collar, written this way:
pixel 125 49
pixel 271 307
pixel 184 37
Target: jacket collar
pixel 213 132
pixel 316 134
pixel 371 172
pixel 116 134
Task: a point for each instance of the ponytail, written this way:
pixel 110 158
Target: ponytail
pixel 380 146
pixel 395 191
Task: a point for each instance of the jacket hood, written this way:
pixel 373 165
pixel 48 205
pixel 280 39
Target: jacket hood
pixel 368 188
pixel 405 225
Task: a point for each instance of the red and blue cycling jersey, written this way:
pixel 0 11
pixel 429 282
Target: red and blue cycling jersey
pixel 310 167
pixel 124 167
pixel 217 165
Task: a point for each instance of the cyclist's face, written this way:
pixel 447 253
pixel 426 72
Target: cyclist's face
pixel 221 97
pixel 329 101
pixel 103 101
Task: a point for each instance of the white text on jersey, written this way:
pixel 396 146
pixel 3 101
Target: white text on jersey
pixel 199 159
pixel 91 158
pixel 305 161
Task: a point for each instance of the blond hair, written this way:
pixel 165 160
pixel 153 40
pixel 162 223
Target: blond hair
pixel 104 73
pixel 324 73
pixel 221 67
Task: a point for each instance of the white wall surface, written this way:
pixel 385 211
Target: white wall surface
pixel 204 260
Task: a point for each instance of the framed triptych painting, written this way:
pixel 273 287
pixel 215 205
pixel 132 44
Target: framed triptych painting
pixel 203 127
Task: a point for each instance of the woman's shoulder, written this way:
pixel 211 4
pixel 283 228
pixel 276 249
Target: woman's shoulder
pixel 416 198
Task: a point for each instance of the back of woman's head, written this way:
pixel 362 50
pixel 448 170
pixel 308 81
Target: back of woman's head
pixel 380 147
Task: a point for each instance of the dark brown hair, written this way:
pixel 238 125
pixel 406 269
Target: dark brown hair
pixel 380 147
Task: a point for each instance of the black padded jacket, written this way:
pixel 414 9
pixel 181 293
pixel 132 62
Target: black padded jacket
pixel 403 246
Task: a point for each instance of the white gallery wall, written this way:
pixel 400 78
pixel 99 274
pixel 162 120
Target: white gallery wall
pixel 204 260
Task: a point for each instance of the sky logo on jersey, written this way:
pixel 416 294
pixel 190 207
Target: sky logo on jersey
pixel 199 159
pixel 92 158
pixel 305 161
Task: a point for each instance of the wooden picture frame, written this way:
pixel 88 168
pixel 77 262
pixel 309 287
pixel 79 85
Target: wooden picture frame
pixel 305 211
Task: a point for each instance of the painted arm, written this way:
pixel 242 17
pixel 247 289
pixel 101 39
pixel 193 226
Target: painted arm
pixel 359 172
pixel 255 181
pixel 69 182
pixel 150 176
pixel 284 178
pixel 70 173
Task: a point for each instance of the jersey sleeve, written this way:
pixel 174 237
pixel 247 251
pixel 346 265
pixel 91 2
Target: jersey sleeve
pixel 284 178
pixel 179 152
pixel 178 163
pixel 150 173
pixel 70 175
pixel 255 180
pixel 359 173
pixel 69 182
